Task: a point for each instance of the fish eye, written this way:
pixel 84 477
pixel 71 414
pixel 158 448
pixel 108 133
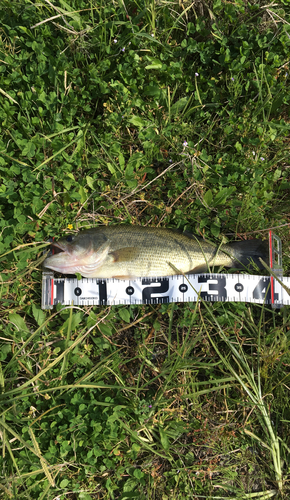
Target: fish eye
pixel 69 238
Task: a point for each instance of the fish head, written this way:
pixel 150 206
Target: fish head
pixel 81 253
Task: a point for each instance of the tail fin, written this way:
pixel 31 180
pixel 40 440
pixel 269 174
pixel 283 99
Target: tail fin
pixel 248 253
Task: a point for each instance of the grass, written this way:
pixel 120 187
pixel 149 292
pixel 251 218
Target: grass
pixel 171 114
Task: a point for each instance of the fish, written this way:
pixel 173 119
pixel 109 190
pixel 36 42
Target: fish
pixel 129 252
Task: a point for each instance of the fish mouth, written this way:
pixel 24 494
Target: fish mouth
pixel 64 261
pixel 58 258
pixel 57 247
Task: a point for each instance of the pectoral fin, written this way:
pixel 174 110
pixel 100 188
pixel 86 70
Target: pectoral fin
pixel 125 254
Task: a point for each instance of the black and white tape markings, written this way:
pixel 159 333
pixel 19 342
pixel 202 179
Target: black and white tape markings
pixel 211 287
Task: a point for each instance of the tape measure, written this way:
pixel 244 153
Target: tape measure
pixel 178 288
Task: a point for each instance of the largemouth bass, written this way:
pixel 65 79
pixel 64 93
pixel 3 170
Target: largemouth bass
pixel 128 252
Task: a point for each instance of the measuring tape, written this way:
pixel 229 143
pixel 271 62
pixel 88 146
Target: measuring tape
pixel 179 288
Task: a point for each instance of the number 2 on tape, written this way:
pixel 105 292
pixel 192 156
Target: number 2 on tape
pixel 150 290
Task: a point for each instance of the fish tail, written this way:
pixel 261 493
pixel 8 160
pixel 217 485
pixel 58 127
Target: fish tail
pixel 248 253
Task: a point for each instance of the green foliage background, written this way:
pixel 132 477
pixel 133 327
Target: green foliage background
pixel 148 112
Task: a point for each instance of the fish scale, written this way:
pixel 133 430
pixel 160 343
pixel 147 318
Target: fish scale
pixel 128 252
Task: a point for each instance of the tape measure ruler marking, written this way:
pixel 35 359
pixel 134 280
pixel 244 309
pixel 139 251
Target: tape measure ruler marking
pixel 212 287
